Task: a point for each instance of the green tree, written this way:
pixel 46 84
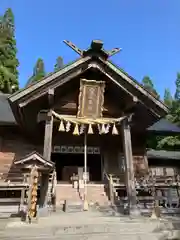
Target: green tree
pixel 177 83
pixel 59 64
pixel 168 99
pixel 38 71
pixel 172 142
pixel 149 86
pixel 8 60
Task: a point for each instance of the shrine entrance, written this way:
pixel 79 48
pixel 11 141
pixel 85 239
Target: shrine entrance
pixel 68 164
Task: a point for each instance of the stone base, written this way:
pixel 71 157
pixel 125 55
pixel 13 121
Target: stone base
pixel 134 211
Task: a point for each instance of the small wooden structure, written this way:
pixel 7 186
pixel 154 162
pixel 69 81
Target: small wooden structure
pixel 34 166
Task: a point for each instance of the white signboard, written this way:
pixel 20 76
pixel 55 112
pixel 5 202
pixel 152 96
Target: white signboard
pixel 86 176
pixel 75 149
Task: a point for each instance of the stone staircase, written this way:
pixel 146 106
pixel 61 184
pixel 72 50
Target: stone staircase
pixel 65 192
pixel 89 225
pixel 95 194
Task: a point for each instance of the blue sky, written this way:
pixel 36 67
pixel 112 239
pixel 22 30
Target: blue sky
pixel 147 31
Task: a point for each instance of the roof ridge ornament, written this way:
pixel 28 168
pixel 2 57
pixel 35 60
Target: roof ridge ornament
pixel 96 49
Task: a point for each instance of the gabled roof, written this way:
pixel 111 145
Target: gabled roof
pixel 90 60
pixel 95 64
pixel 34 156
pixel 162 154
pixel 47 80
pixel 165 127
pixel 6 115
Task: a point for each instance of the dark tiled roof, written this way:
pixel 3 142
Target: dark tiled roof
pixel 164 126
pixel 6 115
pixel 162 154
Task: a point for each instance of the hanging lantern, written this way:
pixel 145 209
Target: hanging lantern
pixel 76 130
pixel 61 127
pixel 90 130
pixel 114 130
pixel 68 126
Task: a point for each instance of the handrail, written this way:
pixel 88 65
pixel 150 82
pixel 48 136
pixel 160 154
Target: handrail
pixel 53 190
pixel 111 189
pixel 106 175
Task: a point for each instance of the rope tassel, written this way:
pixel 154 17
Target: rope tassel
pixel 61 127
pixel 76 130
pixel 90 130
pixel 82 127
pixel 103 130
pixel 114 130
pixel 68 126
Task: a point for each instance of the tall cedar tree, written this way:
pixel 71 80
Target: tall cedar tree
pixel 8 61
pixel 168 99
pixel 149 86
pixel 59 64
pixel 177 93
pixel 175 110
pixel 172 142
pixel 38 71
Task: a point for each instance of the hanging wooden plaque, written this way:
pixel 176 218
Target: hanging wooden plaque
pixel 91 99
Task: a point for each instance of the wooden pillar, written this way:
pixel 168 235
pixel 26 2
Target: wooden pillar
pixel 47 149
pixel 48 136
pixel 129 168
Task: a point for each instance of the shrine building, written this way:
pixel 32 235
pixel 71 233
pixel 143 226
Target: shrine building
pixel 87 121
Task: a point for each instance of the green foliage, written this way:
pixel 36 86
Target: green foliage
pixel 168 99
pixel 59 64
pixel 8 61
pixel 177 93
pixel 166 142
pixel 169 143
pixel 38 71
pixel 152 141
pixel 149 86
pixel 172 142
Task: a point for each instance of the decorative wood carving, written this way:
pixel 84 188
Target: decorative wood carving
pixel 91 98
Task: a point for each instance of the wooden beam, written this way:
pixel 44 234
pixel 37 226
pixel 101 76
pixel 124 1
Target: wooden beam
pixel 130 180
pixel 48 137
pixel 119 84
pixel 113 51
pixel 47 149
pixel 49 127
pixel 130 106
pixel 73 47
pixel 22 198
pixel 136 86
pixel 54 85
pixel 48 80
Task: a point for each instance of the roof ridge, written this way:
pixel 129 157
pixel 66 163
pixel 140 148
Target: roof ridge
pixel 137 82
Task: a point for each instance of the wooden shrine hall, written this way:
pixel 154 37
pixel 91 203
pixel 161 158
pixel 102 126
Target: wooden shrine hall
pixel 76 130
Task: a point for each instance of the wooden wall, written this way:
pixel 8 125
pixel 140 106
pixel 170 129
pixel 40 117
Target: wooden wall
pixel 114 163
pixel 13 146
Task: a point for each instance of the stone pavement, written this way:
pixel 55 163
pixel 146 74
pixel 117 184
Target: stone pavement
pixel 85 225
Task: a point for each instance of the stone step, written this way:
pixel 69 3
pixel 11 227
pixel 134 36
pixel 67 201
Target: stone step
pixel 92 225
pixel 88 236
pixel 95 193
pixel 124 232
